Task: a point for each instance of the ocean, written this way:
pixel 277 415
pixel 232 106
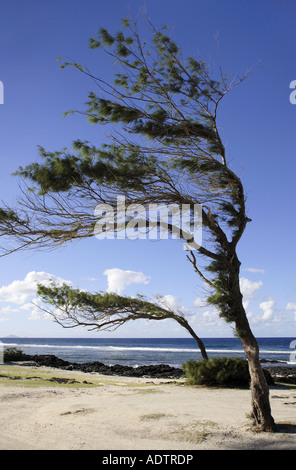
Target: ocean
pixel 145 351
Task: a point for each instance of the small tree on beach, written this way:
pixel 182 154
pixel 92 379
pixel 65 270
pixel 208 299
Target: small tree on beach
pixel 107 311
pixel 167 151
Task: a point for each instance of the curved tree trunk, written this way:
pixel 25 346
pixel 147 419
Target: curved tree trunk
pixel 200 343
pixel 261 410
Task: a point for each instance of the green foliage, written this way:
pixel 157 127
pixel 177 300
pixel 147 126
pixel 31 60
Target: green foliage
pixel 167 91
pixel 98 306
pixel 9 215
pixel 224 371
pixel 168 151
pixel 13 354
pixel 105 310
pixel 166 98
pixel 62 171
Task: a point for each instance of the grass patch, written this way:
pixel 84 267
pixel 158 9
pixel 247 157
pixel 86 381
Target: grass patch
pixel 39 377
pixel 153 416
pixel 196 432
pixel 146 391
pixel 284 385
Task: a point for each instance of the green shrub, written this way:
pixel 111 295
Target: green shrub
pixel 13 354
pixel 221 371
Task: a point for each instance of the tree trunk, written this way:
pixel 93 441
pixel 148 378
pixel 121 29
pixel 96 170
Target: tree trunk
pixel 261 410
pixel 186 325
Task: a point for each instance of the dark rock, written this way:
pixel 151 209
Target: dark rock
pixel 283 374
pixel 63 380
pixel 49 360
pixel 268 377
pixel 163 371
pixel 151 371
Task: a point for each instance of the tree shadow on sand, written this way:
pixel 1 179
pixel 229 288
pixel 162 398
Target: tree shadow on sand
pixel 286 428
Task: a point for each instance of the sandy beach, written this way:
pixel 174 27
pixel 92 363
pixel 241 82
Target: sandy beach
pixel 49 409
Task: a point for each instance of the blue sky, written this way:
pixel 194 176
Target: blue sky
pixel 257 123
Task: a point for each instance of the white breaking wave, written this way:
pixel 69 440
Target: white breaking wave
pixel 137 348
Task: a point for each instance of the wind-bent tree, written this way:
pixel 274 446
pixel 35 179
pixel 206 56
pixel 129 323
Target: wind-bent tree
pixel 165 148
pixel 107 311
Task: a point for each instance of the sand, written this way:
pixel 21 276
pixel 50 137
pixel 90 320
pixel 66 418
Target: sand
pixel 116 413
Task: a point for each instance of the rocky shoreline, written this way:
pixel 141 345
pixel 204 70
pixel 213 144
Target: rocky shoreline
pixel 161 371
pixel 279 373
pixel 283 374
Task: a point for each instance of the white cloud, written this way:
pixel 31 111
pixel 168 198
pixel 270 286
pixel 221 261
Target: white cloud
pixel 252 317
pixel 292 306
pixel 211 317
pixel 36 313
pixel 254 270
pixel 199 302
pixel 19 291
pixel 9 309
pixel 118 279
pixel 268 309
pixel 202 319
pixel 248 288
pixel 171 302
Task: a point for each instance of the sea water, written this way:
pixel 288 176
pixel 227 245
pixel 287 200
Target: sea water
pixel 145 351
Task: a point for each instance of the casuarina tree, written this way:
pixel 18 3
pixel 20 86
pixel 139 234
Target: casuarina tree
pixel 165 148
pixel 108 311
